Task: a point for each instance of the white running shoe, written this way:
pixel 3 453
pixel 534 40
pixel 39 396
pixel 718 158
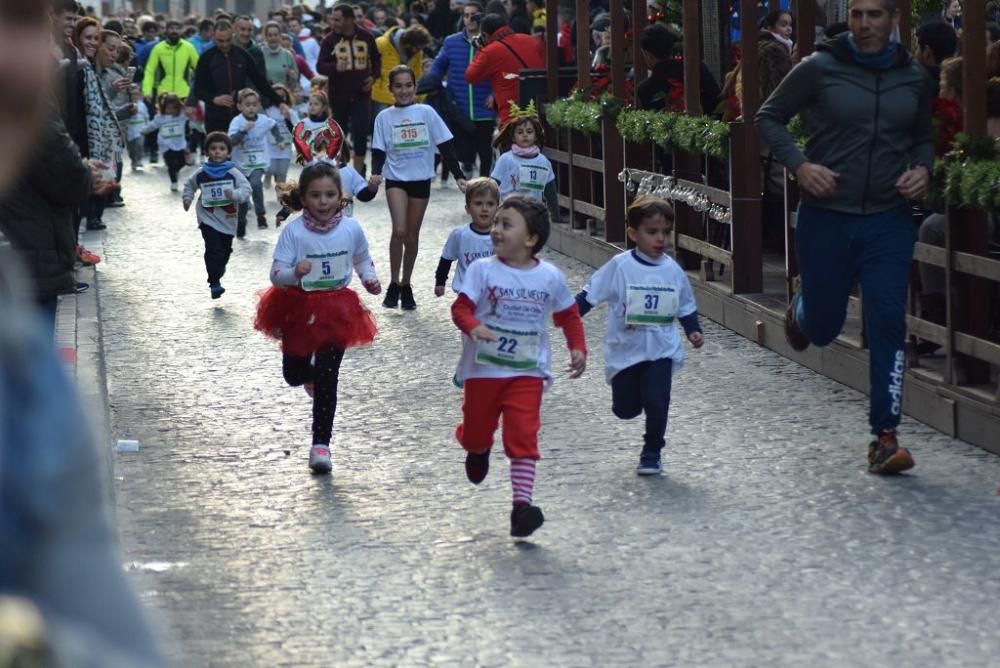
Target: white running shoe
pixel 319 458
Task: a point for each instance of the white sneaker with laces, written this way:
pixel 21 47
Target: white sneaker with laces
pixel 319 458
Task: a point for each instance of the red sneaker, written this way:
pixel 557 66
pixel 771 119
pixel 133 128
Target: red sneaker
pixel 87 258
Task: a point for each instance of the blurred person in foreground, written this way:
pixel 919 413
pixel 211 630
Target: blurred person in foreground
pixel 64 600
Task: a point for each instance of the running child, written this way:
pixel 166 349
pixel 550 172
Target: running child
pixel 134 129
pixel 281 152
pixel 223 187
pixel 470 242
pixel 522 168
pixel 647 294
pixel 310 307
pixel 406 138
pixel 252 152
pixel 170 121
pixel 506 362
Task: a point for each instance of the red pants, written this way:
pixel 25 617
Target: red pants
pixel 518 399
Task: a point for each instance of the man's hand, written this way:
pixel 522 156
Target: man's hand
pixel 461 184
pixel 100 184
pixel 367 86
pixel 913 182
pixel 817 180
pixel 482 333
pixel 577 363
pixel 696 339
pixel 439 291
pixel 223 100
pixel 303 268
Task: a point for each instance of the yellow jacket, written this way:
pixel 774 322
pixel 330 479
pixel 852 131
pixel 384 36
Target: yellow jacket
pixel 390 58
pixel 169 68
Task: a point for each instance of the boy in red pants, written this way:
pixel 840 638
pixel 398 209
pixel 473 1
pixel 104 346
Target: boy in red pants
pixel 506 357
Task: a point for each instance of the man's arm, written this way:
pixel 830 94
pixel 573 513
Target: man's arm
pixel 325 63
pixel 791 97
pixel 374 56
pixel 202 84
pixel 478 70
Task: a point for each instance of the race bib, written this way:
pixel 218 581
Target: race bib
pixel 411 135
pixel 513 349
pixel 651 305
pixel 254 156
pixel 213 193
pixel 172 131
pixel 328 272
pixel 531 177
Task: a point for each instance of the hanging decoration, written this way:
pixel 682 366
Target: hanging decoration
pixel 699 197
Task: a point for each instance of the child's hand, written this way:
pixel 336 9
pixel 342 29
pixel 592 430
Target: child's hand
pixel 228 192
pixel 372 286
pixel 303 268
pixel 374 181
pixel 696 339
pixel 461 184
pixel 439 291
pixel 187 204
pixel 249 126
pixel 577 363
pixel 482 333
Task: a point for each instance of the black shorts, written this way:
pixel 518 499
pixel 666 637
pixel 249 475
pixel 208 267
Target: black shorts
pixel 414 189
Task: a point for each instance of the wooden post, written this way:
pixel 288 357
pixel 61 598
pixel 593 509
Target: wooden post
pixel 745 168
pixel 583 46
pixel 968 230
pixel 692 59
pixel 687 165
pixel 613 148
pixel 552 49
pixel 806 20
pixel 905 8
pixel 639 22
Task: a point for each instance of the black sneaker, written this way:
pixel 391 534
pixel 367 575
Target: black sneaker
pixel 115 204
pixel 262 222
pixel 477 466
pixel 524 519
pixel 649 464
pixel 793 334
pixel 406 298
pixel 391 296
pixel 94 225
pixel 241 228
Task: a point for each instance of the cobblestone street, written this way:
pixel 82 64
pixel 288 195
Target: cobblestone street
pixel 764 543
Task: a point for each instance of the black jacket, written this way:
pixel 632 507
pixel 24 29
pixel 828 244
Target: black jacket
pixel 654 92
pixel 219 73
pixel 37 214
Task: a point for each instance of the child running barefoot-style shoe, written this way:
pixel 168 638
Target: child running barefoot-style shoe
pixel 886 457
pixel 649 464
pixel 477 466
pixel 525 519
pixel 391 296
pixel 406 301
pixel 319 458
pixel 217 290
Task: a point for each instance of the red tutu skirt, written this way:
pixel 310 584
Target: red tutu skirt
pixel 305 322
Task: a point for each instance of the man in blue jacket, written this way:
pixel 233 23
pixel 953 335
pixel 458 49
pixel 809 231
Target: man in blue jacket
pixel 474 135
pixel 867 109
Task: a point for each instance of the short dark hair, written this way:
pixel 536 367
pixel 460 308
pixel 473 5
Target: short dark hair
pixel 836 29
pixel 648 206
pixel 114 25
pixel 223 25
pixel 940 37
pixel 773 17
pixel 205 24
pixel 491 23
pixel 63 6
pixel 218 138
pixel 658 40
pixel 535 214
pixel 345 10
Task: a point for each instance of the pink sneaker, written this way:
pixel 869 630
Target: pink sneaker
pixel 319 458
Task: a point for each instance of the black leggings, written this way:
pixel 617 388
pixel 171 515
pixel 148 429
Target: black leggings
pixel 324 374
pixel 175 163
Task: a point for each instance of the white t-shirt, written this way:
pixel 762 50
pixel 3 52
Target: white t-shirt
pixel 465 245
pixel 137 121
pixel 352 182
pixel 284 153
pixel 409 136
pixel 171 135
pixel 333 254
pixel 523 176
pixel 644 303
pixel 517 305
pixel 254 152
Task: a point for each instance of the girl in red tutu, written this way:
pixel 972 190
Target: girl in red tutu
pixel 310 309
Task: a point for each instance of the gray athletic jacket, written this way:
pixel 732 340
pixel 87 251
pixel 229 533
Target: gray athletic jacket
pixel 867 125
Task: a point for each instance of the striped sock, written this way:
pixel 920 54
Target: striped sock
pixel 522 479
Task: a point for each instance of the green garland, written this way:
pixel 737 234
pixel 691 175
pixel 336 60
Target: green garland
pixel 697 134
pixel 968 176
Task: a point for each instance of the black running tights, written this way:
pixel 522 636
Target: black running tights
pixel 323 370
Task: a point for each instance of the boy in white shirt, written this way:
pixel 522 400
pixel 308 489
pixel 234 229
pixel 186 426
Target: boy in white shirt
pixel 252 153
pixel 647 293
pixel 503 309
pixel 468 243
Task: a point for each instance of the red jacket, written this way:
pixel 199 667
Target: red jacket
pixel 498 64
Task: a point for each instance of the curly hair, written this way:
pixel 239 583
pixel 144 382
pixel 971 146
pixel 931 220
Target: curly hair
pixel 505 139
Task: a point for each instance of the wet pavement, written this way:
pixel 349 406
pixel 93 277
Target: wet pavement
pixel 764 543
